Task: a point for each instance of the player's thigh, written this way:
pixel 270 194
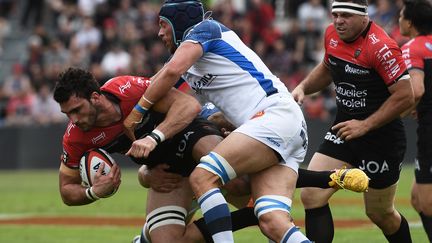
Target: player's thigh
pixel 380 201
pixel 246 154
pixel 316 197
pixel 205 145
pixel 166 212
pixel 275 180
pixel 421 198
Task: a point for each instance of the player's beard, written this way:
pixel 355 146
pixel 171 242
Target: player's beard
pixel 92 118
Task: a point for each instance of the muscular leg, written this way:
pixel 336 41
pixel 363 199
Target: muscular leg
pixel 245 155
pixel 380 209
pixel 318 217
pixel 166 213
pixel 421 200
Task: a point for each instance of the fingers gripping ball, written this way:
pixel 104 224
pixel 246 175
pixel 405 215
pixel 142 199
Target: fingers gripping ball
pixel 90 163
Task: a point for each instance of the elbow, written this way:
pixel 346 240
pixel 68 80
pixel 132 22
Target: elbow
pixel 66 201
pixel 418 94
pixel 173 71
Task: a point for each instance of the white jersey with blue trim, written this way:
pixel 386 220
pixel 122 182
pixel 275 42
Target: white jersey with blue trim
pixel 230 74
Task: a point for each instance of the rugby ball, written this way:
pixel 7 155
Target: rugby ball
pixel 90 163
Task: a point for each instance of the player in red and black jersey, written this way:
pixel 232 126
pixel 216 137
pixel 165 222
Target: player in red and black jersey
pixel 372 88
pixel 96 115
pixel 415 22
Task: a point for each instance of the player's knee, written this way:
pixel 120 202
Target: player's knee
pixel 313 198
pixel 166 215
pixel 272 211
pixel 382 216
pixel 415 202
pixel 211 168
pixel 142 176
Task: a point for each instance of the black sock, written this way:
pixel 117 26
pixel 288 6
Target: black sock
pixel 319 224
pixel 402 235
pixel 201 224
pixel 427 225
pixel 241 218
pixel 309 178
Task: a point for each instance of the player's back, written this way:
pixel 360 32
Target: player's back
pixel 229 73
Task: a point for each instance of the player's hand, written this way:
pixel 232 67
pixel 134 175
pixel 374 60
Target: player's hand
pixel 131 122
pixel 351 129
pixel 298 94
pixel 162 181
pixel 141 148
pixel 107 185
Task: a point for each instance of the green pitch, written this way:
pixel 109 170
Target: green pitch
pixel 35 194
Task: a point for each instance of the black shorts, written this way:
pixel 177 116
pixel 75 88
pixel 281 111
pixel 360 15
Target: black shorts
pixel 177 151
pixel 423 168
pixel 379 153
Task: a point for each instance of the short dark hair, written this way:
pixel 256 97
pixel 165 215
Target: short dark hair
pixel 361 2
pixel 75 81
pixel 419 12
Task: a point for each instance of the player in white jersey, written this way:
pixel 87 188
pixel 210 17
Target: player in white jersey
pixel 271 138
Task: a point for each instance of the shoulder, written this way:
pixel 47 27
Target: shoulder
pixel 73 146
pixel 377 39
pixel 123 86
pixel 205 31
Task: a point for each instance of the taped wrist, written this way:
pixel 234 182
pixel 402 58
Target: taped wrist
pixel 91 195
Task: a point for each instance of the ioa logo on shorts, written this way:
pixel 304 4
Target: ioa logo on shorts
pixel 333 138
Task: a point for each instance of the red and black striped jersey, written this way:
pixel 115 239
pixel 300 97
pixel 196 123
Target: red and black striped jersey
pixel 363 69
pixel 127 90
pixel 418 55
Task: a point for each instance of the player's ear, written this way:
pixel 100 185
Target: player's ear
pixel 95 97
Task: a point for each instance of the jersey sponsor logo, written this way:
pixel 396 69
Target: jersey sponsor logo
pixel 353 70
pixel 141 81
pixel 332 62
pixel 349 96
pixel 428 46
pixel 303 135
pixel 333 43
pixel 388 61
pixel 273 141
pixel 407 57
pixel 374 167
pixel 373 38
pixel 258 114
pixel 205 80
pixel 64 158
pixel 122 88
pixel 333 138
pixel 183 144
pixel 98 138
pixel 69 128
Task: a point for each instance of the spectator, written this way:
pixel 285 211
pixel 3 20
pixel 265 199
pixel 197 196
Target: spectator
pixel 313 10
pixel 116 61
pixel 18 90
pixel 45 110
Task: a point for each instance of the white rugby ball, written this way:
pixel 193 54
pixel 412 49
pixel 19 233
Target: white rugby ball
pixel 90 163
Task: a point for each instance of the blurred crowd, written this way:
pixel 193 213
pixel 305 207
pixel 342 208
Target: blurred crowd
pixel 115 37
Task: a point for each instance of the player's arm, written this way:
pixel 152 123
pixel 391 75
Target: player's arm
pixel 71 190
pixel 318 79
pixel 184 57
pixel 180 110
pixel 74 194
pixel 417 83
pixel 158 178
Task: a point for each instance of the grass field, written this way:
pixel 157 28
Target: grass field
pixel 35 194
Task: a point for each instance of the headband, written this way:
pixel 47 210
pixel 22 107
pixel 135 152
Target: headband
pixel 353 8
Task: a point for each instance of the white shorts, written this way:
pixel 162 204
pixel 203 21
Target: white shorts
pixel 279 124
